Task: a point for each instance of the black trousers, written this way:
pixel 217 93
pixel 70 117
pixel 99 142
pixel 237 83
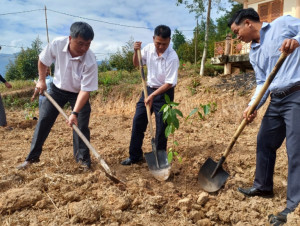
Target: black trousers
pixel 281 120
pixel 47 117
pixel 140 123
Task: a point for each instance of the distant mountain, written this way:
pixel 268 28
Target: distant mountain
pixel 4 60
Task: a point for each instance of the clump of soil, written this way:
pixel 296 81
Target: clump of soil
pixel 56 191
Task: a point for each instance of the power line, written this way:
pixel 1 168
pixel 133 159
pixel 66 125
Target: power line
pixel 11 46
pixel 101 21
pixel 28 11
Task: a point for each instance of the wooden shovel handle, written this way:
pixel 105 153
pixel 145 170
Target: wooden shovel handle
pixel 256 102
pixel 145 92
pixel 81 135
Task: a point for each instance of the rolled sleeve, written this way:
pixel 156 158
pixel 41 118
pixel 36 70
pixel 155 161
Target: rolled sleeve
pixel 89 80
pixel 46 56
pixel 172 72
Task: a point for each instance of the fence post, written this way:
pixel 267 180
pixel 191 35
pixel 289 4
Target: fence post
pixel 227 66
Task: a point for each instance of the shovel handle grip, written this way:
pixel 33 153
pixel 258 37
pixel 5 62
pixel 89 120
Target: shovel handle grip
pixel 145 92
pixel 256 102
pixel 81 135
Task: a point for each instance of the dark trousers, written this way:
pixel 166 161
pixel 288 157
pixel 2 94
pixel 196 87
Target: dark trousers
pixel 281 120
pixel 47 117
pixel 140 122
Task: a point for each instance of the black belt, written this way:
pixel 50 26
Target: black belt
pixel 153 88
pixel 287 92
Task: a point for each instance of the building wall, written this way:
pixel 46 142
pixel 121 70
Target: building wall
pixel 290 7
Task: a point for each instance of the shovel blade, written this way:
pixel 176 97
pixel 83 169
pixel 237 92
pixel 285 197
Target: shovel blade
pixel 208 183
pixel 159 167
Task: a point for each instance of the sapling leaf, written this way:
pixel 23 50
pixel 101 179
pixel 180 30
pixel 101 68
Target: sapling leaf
pixel 176 143
pixel 170 157
pixel 167 99
pixel 178 112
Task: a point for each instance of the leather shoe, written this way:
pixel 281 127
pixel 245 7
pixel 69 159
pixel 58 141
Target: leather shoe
pixel 128 161
pixel 250 192
pixel 280 218
pixel 24 165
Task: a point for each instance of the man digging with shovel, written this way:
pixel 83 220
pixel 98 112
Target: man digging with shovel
pixel 162 72
pixel 281 120
pixel 75 76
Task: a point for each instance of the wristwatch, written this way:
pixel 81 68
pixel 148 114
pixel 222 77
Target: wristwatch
pixel 74 113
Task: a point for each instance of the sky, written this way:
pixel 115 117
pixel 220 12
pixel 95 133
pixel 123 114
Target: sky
pixel 114 22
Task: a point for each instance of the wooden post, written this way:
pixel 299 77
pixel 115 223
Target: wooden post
pixel 47 33
pixel 227 66
pixel 297 9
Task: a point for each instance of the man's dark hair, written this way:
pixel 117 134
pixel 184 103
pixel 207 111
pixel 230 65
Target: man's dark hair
pixel 162 31
pixel 242 15
pixel 83 30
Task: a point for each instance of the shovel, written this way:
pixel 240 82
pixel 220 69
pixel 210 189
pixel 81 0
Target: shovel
pixel 106 168
pixel 212 176
pixel 157 160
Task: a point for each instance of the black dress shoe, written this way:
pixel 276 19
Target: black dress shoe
pixel 128 161
pixel 280 218
pixel 250 192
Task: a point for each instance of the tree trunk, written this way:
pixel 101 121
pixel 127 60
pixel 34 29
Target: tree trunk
pixel 205 39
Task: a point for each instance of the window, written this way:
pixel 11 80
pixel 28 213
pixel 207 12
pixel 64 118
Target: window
pixel 269 11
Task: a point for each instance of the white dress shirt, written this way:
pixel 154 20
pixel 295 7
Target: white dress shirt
pixel 160 69
pixel 71 73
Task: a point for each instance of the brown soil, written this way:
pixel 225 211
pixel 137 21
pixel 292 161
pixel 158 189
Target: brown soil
pixel 56 192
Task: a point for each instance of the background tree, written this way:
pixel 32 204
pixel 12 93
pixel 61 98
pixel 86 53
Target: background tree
pixel 199 7
pixel 24 66
pixel 178 39
pixel 122 60
pixel 222 29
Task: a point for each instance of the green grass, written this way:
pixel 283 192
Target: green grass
pixel 16 85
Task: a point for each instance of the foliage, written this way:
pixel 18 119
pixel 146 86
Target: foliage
pixel 170 117
pixel 122 60
pixel 30 108
pixel 104 66
pixel 178 39
pixel 25 65
pixel 212 70
pixel 203 110
pixel 222 29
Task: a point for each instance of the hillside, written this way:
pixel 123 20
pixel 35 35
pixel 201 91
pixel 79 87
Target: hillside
pixel 55 191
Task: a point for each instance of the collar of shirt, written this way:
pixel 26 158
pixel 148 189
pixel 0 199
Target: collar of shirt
pixel 66 49
pixel 262 32
pixel 164 55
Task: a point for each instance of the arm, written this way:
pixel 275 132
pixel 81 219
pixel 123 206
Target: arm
pixel 41 84
pixel 160 90
pixel 7 84
pixel 293 31
pixel 82 98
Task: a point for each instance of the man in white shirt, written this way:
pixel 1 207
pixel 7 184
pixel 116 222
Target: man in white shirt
pixel 162 72
pixel 75 76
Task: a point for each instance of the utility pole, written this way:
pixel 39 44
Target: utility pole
pixel 47 34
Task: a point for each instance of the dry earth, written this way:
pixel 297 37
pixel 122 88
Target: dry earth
pixel 55 191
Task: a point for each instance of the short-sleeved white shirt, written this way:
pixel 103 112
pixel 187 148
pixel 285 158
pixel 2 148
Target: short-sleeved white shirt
pixel 160 69
pixel 71 73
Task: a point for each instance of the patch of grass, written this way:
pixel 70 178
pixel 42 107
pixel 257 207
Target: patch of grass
pixel 17 85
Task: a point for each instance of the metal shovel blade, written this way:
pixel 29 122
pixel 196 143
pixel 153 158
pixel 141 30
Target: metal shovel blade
pixel 208 183
pixel 159 167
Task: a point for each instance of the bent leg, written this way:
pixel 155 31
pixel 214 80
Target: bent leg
pixel 47 117
pixel 269 139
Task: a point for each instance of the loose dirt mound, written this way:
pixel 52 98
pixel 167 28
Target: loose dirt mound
pixel 56 192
